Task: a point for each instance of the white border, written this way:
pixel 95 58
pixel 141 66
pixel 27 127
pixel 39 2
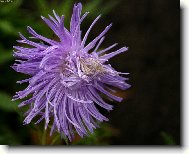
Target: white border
pixel 134 150
pixel 185 58
pixel 3 149
pixel 95 150
pixel 184 3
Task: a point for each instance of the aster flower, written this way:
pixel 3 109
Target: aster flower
pixel 67 77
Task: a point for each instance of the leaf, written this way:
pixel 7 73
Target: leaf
pixel 100 136
pixel 6 103
pixel 11 6
pixel 7 27
pixel 5 56
pixel 90 6
pixel 42 6
pixel 167 138
pixel 97 7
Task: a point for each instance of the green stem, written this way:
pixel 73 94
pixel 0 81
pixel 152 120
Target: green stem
pixel 66 141
pixel 43 139
pixel 55 139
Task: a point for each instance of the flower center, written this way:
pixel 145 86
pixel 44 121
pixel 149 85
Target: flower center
pixel 91 66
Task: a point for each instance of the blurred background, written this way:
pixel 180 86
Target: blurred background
pixel 150 112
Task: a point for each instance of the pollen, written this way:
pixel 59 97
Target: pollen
pixel 91 66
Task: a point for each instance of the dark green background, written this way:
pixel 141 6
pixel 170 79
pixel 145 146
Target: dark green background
pixel 150 112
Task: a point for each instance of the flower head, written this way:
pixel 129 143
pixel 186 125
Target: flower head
pixel 67 76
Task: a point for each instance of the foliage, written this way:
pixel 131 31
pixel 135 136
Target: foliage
pixel 5 102
pixel 101 136
pixel 167 138
pixel 14 18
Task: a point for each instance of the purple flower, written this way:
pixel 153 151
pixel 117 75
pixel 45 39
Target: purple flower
pixel 67 76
